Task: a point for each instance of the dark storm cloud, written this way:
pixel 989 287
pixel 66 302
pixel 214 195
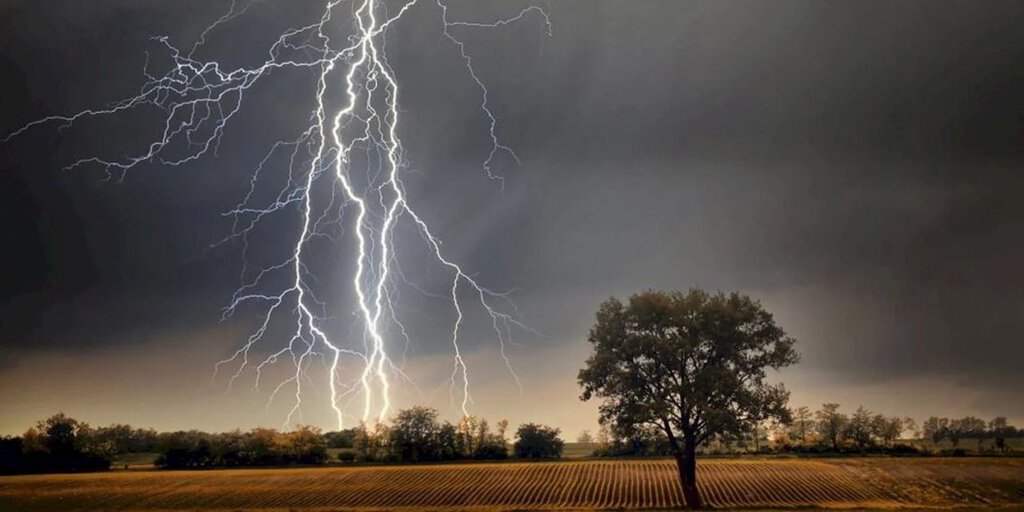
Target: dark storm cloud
pixel 857 165
pixel 867 151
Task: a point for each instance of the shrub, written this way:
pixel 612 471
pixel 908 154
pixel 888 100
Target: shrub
pixel 903 449
pixel 956 452
pixel 414 434
pixel 58 444
pixel 340 439
pixel 491 450
pixel 538 442
pixel 258 447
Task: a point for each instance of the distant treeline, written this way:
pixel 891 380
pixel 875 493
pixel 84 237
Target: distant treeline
pixel 828 430
pixel 415 435
pixel 954 430
pixel 58 444
pixel 257 447
pixel 63 444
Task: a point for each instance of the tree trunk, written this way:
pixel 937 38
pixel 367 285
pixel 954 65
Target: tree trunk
pixel 686 463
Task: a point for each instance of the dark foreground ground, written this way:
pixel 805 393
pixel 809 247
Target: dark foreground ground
pixel 879 483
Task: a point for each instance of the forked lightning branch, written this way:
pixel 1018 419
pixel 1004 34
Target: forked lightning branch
pixel 345 168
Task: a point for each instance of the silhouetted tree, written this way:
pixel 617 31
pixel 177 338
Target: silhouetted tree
pixel 448 444
pixel 910 425
pixel 973 427
pixel 467 431
pixel 886 429
pixel 535 441
pixel 305 445
pixel 257 447
pixel 830 424
pixel 413 434
pixel 12 456
pixel 954 432
pixel 692 365
pixel 340 438
pixel 936 429
pixel 491 446
pixel 59 434
pixel 372 445
pixel 801 424
pixel 998 429
pixel 859 428
pixel 63 444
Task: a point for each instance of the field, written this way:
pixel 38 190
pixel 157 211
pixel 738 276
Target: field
pixel 736 483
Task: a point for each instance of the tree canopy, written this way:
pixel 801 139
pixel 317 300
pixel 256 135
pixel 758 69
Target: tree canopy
pixel 535 441
pixel 692 365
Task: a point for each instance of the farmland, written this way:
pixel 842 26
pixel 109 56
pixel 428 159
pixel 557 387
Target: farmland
pixel 725 483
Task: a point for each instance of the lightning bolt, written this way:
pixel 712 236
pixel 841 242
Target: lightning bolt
pixel 343 175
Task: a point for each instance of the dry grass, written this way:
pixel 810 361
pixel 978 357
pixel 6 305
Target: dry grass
pixel 759 483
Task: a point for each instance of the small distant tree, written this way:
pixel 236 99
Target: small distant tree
pixel 535 441
pixel 340 438
pixel 973 427
pixel 413 434
pixel 584 437
pixel 371 444
pixel 780 435
pixel 262 446
pixel 801 425
pixel 758 435
pixel 954 432
pixel 193 449
pixel 12 456
pixel 62 443
pixel 467 430
pixel 448 444
pixel 909 425
pixel 229 449
pixel 60 433
pixel 32 441
pixel 830 424
pixel 692 365
pixel 886 429
pixel 488 445
pixel 305 445
pixel 998 430
pixel 482 435
pixel 935 429
pixel 859 428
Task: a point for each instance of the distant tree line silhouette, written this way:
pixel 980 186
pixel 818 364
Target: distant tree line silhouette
pixel 416 435
pixel 56 444
pixel 63 444
pixel 954 430
pixel 827 430
pixel 257 447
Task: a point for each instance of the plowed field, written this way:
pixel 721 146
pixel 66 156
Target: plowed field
pixel 761 483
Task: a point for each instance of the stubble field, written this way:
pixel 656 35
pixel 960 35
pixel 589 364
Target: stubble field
pixel 651 484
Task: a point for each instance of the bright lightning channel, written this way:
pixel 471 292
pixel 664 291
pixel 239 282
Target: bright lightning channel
pixel 199 99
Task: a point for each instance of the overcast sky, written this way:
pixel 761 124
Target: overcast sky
pixel 857 166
